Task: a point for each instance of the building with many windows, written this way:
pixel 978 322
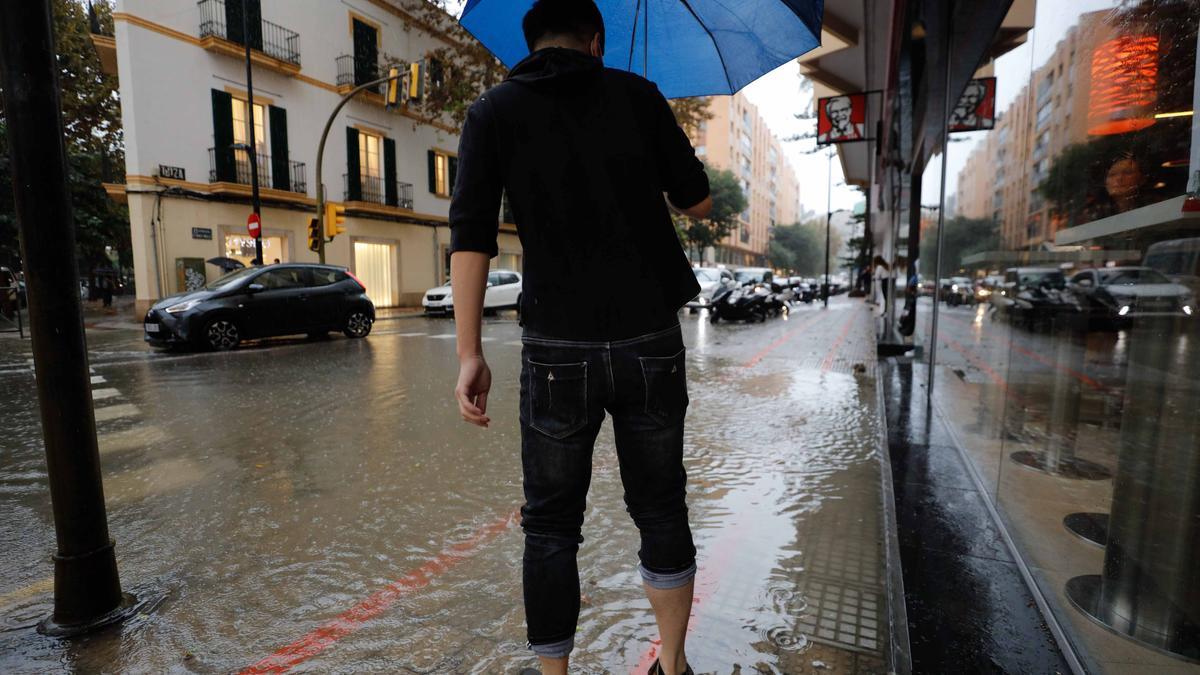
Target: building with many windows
pixel 737 139
pixel 187 121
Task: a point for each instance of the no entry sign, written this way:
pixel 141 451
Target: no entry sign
pixel 254 225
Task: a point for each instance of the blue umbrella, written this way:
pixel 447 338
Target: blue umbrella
pixel 695 47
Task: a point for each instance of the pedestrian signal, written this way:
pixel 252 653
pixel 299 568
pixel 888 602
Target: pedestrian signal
pixel 335 217
pixel 314 235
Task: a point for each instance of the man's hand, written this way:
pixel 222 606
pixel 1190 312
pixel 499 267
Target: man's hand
pixel 474 382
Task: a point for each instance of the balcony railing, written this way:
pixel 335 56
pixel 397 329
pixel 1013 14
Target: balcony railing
pixel 232 165
pixel 374 189
pixel 269 38
pixel 354 70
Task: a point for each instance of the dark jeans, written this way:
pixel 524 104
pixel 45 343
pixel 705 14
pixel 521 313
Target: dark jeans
pixel 566 386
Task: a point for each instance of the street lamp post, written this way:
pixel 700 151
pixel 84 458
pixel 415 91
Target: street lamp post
pixel 828 217
pixel 254 200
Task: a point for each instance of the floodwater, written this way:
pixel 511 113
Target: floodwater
pixel 320 506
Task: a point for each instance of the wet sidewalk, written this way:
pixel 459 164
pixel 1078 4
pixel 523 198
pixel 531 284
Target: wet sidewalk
pixel 319 507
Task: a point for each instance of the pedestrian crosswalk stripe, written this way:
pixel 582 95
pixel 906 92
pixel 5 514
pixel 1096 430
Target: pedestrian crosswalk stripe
pixel 139 436
pixel 444 336
pixel 114 412
pixel 411 334
pixel 98 379
pixel 101 394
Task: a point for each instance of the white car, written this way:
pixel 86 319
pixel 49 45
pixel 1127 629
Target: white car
pixel 503 292
pixel 710 279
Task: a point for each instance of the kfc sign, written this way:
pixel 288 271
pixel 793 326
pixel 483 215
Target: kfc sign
pixel 842 119
pixel 976 108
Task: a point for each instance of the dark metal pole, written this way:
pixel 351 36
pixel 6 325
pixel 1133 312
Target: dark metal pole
pixel 87 588
pixel 257 205
pixel 828 217
pixel 941 234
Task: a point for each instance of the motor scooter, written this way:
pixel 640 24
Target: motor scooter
pixel 735 302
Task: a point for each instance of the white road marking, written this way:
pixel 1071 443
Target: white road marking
pixel 114 412
pixel 139 436
pixel 98 379
pixel 444 336
pixel 102 394
pixel 487 339
pixel 36 588
pixel 410 334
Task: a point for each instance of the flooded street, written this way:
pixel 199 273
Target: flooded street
pixel 320 506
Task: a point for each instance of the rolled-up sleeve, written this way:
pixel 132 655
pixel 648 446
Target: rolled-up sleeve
pixel 682 173
pixel 475 204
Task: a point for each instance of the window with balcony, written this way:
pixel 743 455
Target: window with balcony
pixel 371 170
pixel 234 124
pixel 223 21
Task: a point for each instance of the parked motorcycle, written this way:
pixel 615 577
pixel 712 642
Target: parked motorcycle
pixel 736 302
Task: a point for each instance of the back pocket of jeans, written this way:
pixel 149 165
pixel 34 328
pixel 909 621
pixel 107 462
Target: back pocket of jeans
pixel 557 397
pixel 666 387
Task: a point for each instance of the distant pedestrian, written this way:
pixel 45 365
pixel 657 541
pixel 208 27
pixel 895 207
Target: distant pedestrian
pixel 881 274
pixel 584 154
pixel 276 262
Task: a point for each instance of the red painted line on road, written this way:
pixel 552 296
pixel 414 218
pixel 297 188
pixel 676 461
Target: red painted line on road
pixel 327 634
pixel 762 353
pixel 1085 379
pixel 827 363
pixel 976 361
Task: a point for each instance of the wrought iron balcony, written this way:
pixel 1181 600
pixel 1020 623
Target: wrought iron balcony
pixel 354 70
pixel 374 189
pixel 269 38
pixel 232 165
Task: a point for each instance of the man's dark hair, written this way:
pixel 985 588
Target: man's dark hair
pixel 578 18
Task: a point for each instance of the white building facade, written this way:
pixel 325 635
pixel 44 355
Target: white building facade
pixel 182 73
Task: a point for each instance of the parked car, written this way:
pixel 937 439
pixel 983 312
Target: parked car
pixel 710 279
pixel 1121 294
pixel 1033 296
pixel 958 291
pixel 757 275
pixel 1178 259
pixel 259 302
pixel 503 292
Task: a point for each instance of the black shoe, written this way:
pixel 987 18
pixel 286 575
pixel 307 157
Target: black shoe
pixel 656 669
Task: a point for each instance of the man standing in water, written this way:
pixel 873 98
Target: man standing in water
pixel 585 155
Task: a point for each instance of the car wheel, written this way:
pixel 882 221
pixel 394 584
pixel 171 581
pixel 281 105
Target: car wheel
pixel 221 334
pixel 358 324
pixel 714 315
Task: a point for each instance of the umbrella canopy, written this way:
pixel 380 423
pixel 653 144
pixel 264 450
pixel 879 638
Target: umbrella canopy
pixel 227 264
pixel 687 47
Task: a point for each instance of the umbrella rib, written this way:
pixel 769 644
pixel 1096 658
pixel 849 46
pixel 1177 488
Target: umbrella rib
pixel 633 35
pixel 687 5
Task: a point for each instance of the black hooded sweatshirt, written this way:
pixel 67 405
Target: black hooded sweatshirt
pixel 584 154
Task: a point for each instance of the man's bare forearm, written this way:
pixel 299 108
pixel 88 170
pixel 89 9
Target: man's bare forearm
pixel 468 281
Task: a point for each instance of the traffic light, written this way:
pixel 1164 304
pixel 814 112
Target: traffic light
pixel 314 235
pixel 335 216
pixel 416 81
pixel 393 88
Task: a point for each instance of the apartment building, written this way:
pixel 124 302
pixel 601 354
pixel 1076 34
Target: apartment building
pixel 1001 176
pixel 737 139
pixel 182 71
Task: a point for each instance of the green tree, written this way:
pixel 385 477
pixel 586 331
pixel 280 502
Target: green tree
pixel 964 236
pixel 799 248
pixel 94 139
pixel 728 201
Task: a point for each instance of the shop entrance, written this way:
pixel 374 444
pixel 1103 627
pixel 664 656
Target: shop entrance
pixel 375 265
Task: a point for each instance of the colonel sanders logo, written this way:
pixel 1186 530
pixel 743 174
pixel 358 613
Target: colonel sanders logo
pixel 976 108
pixel 841 119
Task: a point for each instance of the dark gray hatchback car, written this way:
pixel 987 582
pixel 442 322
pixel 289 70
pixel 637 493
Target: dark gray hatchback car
pixel 259 302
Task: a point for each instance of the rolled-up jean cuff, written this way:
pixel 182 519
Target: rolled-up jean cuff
pixel 554 650
pixel 665 582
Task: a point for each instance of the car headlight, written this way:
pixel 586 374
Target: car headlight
pixel 954 288
pixel 183 306
pixel 1123 311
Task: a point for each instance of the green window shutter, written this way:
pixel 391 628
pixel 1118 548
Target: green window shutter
pixel 452 174
pixel 281 175
pixel 353 175
pixel 223 166
pixel 390 197
pixel 233 22
pixel 366 52
pixel 433 172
